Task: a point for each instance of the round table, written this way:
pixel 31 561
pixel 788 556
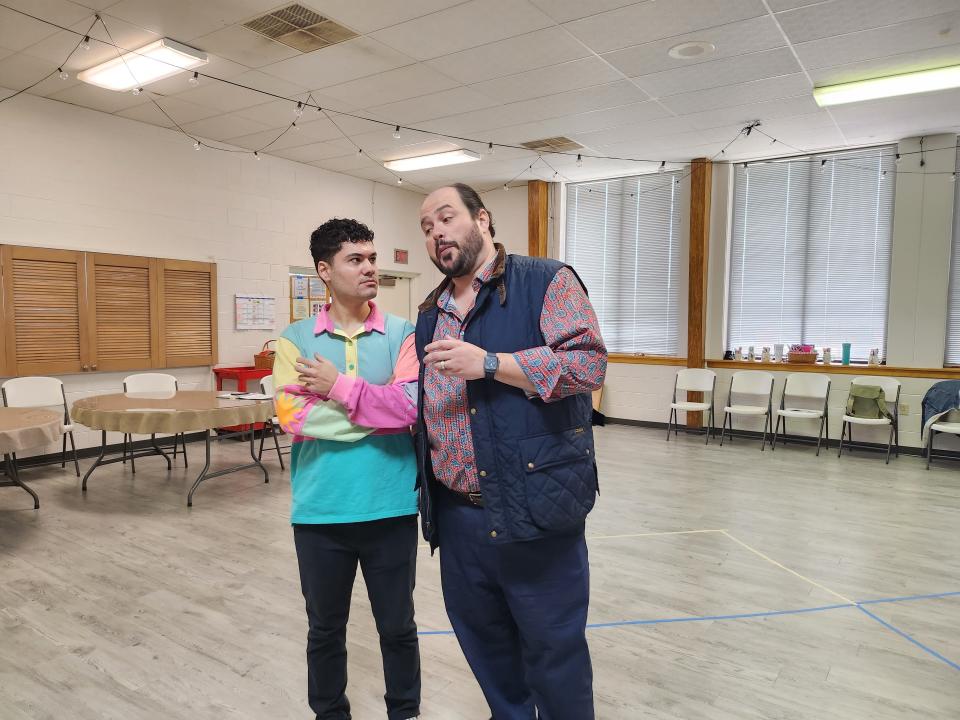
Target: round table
pixel 184 411
pixel 22 428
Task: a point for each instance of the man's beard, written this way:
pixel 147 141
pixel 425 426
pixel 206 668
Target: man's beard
pixel 469 250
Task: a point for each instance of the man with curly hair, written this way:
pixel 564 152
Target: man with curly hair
pixel 346 390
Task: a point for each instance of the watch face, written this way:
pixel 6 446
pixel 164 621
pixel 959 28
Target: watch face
pixel 491 363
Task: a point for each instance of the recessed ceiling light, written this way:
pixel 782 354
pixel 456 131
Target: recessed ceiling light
pixel 452 157
pixel 690 50
pixel 156 61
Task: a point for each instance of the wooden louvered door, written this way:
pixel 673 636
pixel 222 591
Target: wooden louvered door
pixel 188 313
pixel 44 311
pixel 124 315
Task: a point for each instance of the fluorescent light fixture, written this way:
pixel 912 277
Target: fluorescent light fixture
pixel 156 61
pixel 905 84
pixel 452 157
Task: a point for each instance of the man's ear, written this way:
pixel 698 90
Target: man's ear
pixel 483 219
pixel 324 270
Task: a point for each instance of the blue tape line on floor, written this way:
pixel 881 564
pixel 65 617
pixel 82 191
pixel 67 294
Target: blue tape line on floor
pixel 904 635
pixel 774 613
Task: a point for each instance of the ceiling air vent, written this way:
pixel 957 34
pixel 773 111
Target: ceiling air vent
pixel 554 144
pixel 299 27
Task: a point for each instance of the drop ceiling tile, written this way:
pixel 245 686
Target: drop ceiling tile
pixel 391 86
pixel 181 112
pixel 846 16
pixel 778 5
pixel 18 32
pixel 739 38
pixel 222 96
pixel 245 46
pixel 96 98
pixel 571 75
pixel 56 47
pixel 344 163
pixel 427 107
pixel 19 70
pixel 473 23
pixel 537 49
pixel 566 10
pixel 630 133
pixel 212 73
pixel 907 37
pixel 309 153
pixel 745 114
pixel 649 21
pixel 223 127
pixel 338 63
pixel 185 20
pixel 370 15
pixel 729 71
pixel 568 125
pixel 742 94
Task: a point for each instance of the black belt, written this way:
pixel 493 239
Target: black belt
pixel 472 499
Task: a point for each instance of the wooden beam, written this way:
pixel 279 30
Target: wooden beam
pixel 538 194
pixel 701 175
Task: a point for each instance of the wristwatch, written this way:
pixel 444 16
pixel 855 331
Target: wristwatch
pixel 491 363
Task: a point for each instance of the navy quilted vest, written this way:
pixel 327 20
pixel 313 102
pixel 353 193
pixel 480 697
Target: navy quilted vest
pixel 538 458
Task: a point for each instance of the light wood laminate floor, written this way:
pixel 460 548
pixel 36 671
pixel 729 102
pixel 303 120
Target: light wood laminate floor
pixel 727 584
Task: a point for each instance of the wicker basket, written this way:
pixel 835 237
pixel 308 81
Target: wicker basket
pixel 263 360
pixel 803 358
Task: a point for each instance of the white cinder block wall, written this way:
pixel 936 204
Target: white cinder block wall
pixel 78 179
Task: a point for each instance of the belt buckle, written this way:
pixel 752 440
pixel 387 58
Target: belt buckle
pixel 475 498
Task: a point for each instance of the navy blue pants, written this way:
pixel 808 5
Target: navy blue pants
pixel 328 555
pixel 519 611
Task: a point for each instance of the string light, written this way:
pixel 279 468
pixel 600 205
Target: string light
pixel 396 132
pixel 293 125
pixel 298 111
pixel 897 158
pixel 663 166
pixel 86 42
pixel 196 144
pixel 489 148
pixel 883 175
pixel 256 154
pixel 953 177
pixel 579 160
pixel 823 164
pixel 746 168
pixel 506 187
pixel 194 79
pixel 64 75
pixel 399 181
pixel 359 151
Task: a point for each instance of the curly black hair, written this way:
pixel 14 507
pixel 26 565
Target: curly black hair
pixel 326 240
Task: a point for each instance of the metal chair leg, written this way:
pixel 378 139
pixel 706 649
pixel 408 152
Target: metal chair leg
pixel 63 454
pixel 776 431
pixel 823 421
pixel 890 443
pixel 76 461
pixel 276 444
pixel 843 433
pixel 723 431
pixel 183 448
pixel 669 424
pixel 929 447
pixel 767 422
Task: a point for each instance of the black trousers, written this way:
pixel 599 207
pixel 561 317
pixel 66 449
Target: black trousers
pixel 386 551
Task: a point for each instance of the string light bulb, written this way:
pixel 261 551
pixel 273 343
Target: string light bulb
pixel 506 187
pixel 86 42
pixel 137 90
pixel 298 111
pixel 293 125
pixel 746 168
pixel 396 132
pixel 663 166
pixel 823 164
pixel 64 75
pixel 399 181
pixel 579 160
pixel 359 151
pixel 489 148
pixel 897 158
pixel 883 175
pixel 256 154
pixel 196 144
pixel 194 79
pixel 953 177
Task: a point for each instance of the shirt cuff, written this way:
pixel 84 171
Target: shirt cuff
pixel 342 389
pixel 541 367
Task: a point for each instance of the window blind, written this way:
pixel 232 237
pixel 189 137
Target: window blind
pixel 953 299
pixel 623 238
pixel 810 251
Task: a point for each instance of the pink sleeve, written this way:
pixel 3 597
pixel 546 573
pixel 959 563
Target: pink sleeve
pixel 384 407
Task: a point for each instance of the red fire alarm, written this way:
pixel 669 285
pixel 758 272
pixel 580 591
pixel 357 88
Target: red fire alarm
pixel 401 256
